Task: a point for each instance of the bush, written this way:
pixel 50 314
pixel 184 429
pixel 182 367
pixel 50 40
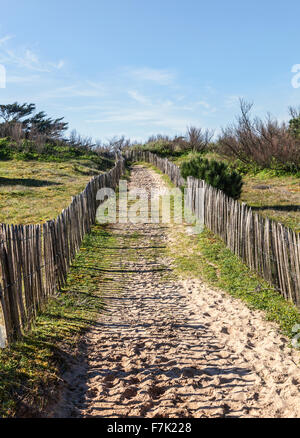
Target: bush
pixel 215 173
pixel 197 139
pixel 294 123
pixel 266 143
pixel 165 147
pixel 51 152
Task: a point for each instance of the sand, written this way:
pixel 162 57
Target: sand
pixel 174 348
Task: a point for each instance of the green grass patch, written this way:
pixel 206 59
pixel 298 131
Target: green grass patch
pixel 205 256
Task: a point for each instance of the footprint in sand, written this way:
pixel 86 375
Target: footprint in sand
pixel 129 393
pixel 92 393
pixel 156 392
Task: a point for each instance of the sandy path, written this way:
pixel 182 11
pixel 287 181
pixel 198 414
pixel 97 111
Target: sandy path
pixel 173 348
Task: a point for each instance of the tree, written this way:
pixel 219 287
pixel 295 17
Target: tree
pixel 197 139
pixel 217 174
pixel 294 123
pixel 21 118
pixel 50 128
pixel 266 142
pixel 15 112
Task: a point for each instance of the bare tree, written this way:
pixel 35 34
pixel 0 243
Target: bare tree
pixel 118 144
pixel 79 141
pixel 198 139
pixel 259 141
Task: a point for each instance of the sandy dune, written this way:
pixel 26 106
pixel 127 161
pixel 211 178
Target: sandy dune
pixel 173 348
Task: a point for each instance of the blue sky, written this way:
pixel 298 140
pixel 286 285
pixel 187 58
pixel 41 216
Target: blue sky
pixel 136 68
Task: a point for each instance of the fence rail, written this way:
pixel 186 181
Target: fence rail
pixel 35 259
pixel 266 246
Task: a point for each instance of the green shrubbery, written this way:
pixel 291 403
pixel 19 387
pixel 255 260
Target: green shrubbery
pixel 195 140
pixel 28 150
pixel 215 173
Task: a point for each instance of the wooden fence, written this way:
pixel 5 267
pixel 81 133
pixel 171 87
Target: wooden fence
pixel 35 259
pixel 266 246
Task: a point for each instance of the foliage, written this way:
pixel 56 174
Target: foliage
pixel 195 139
pixel 59 151
pixel 215 173
pixel 294 123
pixel 37 125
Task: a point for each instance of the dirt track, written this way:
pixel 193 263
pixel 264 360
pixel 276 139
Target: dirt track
pixel 173 348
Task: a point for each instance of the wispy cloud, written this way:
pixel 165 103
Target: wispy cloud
pixel 162 77
pixel 4 39
pixel 85 89
pixel 162 114
pixel 29 60
pixel 58 65
pixel 25 58
pixel 135 95
pixel 231 101
pixel 22 79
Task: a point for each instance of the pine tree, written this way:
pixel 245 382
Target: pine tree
pixel 215 173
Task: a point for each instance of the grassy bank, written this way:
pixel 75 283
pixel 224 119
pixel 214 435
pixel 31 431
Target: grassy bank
pixel 36 183
pixel 205 256
pixel 36 191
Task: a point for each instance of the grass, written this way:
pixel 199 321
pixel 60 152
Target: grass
pixel 206 256
pixel 271 195
pixel 277 197
pixel 30 369
pixel 35 191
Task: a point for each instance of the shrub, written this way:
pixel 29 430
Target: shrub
pixel 215 173
pixel 294 123
pixel 197 139
pixel 267 143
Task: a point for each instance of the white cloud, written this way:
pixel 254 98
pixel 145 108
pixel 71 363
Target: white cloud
pixel 231 101
pixel 58 65
pixel 15 79
pixel 204 104
pixel 87 89
pixel 25 58
pixel 162 77
pixel 158 115
pixel 135 95
pixel 4 39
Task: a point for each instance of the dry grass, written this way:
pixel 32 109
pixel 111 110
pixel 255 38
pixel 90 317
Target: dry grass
pixel 34 192
pixel 275 197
